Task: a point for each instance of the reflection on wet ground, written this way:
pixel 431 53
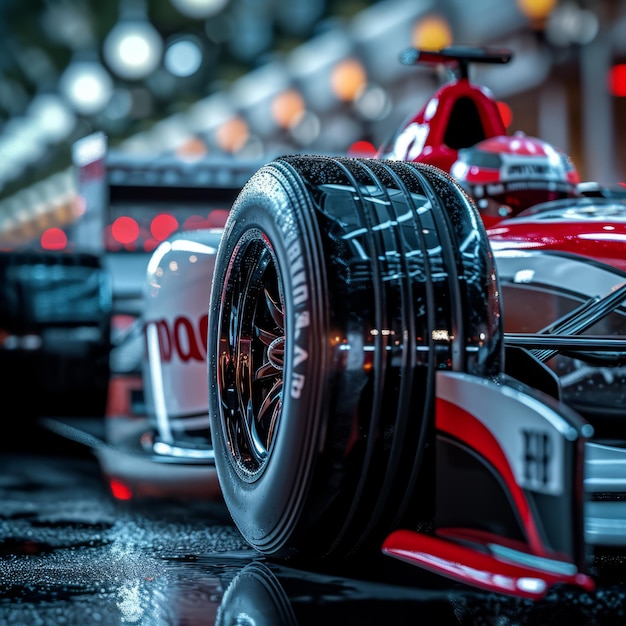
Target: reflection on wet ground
pixel 71 555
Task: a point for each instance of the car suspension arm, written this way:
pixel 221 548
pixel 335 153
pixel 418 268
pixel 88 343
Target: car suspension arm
pixel 559 336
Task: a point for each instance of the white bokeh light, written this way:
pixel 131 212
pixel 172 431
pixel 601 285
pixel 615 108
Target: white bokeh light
pixel 133 49
pixel 87 86
pixel 199 9
pixel 52 116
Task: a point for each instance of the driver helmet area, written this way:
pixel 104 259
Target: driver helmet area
pixel 507 174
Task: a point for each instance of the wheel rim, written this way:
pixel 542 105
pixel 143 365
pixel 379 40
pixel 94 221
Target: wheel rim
pixel 251 355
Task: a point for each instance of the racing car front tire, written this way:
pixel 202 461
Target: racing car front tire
pixel 340 287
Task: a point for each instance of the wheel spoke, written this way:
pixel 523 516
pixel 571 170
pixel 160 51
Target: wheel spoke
pixel 256 446
pixel 275 309
pixel 270 409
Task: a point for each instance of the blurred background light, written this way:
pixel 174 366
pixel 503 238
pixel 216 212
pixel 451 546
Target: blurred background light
pixel 191 149
pixel 133 49
pixel 617 80
pixel 348 79
pixel 163 225
pixel 432 32
pixel 232 135
pixel 53 238
pixel 362 148
pixel 21 145
pixel 183 56
pixel 51 116
pixel 87 86
pixel 536 9
pixel 288 107
pixel 570 24
pixel 125 230
pixel 199 9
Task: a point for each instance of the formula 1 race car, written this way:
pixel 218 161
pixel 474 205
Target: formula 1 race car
pixel 420 352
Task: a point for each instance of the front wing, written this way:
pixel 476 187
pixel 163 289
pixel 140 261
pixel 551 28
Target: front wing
pixel 509 490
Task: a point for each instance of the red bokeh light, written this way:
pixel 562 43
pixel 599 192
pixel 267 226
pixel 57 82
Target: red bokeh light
pixel 195 222
pixel 53 239
pixel 217 218
pixel 125 230
pixel 362 149
pixel 617 80
pixel 163 225
pixel 120 490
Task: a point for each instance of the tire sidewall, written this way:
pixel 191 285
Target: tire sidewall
pixel 266 505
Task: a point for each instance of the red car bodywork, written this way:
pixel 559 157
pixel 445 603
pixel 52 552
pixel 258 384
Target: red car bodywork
pixel 594 228
pixel 458 115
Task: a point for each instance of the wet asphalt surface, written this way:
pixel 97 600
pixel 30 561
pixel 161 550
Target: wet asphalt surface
pixel 71 554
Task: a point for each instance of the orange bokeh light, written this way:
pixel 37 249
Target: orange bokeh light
pixel 288 108
pixel 192 149
pixel 432 33
pixel 536 9
pixel 348 79
pixel 232 135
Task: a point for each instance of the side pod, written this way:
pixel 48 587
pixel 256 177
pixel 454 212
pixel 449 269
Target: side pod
pixel 509 490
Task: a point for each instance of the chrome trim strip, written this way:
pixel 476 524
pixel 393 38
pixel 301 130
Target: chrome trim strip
pixel 165 449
